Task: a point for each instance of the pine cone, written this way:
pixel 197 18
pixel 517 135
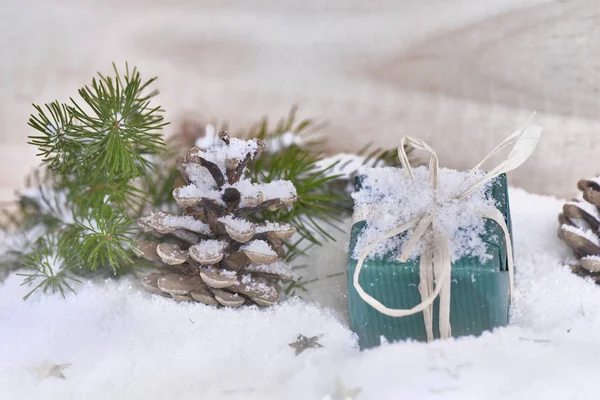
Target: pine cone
pixel 212 253
pixel 580 228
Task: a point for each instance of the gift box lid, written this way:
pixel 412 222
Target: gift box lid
pixel 493 238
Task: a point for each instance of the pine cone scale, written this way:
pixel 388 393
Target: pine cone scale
pixel 220 257
pixel 580 228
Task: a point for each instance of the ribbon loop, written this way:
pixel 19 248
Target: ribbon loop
pixel 419 231
pixel 436 262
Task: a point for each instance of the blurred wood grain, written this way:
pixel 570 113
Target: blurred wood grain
pixel 459 74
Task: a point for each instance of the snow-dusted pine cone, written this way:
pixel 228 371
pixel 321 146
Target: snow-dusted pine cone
pixel 212 253
pixel 580 228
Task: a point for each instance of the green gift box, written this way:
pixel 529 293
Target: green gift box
pixel 479 290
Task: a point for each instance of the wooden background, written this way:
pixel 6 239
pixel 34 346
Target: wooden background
pixel 460 74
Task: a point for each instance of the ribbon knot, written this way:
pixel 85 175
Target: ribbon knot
pixel 435 258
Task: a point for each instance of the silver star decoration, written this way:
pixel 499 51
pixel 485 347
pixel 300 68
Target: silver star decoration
pixel 302 343
pixel 49 370
pixel 342 392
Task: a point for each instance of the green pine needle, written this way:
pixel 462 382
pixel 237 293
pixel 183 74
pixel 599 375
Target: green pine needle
pixel 109 136
pixel 103 237
pixel 94 148
pixel 49 269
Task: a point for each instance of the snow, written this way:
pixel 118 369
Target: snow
pixel 596 180
pixel 238 148
pixel 52 202
pixel 192 191
pixel 279 268
pixel 283 141
pixel 123 342
pixel 239 224
pixel 224 272
pixel 269 226
pixel 274 144
pixel 258 286
pixel 169 221
pixel 587 207
pixel 200 176
pixel 210 248
pixel 19 241
pixel 278 189
pixel 391 198
pixel 258 246
pixel 585 233
pixel 209 139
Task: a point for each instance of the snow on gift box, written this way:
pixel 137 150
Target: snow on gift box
pixel 430 252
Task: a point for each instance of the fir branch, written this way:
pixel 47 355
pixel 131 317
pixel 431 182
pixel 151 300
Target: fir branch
pixel 279 136
pixel 56 145
pixel 315 206
pixel 122 127
pixel 103 237
pixel 380 157
pixel 49 269
pixel 94 148
pixel 108 138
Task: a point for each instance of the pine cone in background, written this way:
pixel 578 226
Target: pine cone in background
pixel 580 228
pixel 213 253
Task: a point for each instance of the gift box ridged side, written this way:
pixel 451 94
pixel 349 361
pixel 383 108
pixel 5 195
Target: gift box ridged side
pixel 479 291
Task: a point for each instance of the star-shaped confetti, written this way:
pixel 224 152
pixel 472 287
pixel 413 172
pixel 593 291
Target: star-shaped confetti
pixel 342 392
pixel 302 343
pixel 49 370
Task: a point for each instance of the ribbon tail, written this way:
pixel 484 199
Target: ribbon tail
pixel 442 263
pixel 523 142
pixel 495 215
pixel 426 288
pixel 376 304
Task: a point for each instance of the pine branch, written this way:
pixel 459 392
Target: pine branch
pixel 107 139
pixel 316 206
pixel 94 148
pixel 103 237
pixel 49 269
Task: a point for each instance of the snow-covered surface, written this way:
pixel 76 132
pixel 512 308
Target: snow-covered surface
pixel 283 141
pixel 585 233
pixel 237 149
pixel 596 180
pixel 238 224
pixel 52 202
pixel 19 242
pixel 274 144
pixel 209 139
pixel 279 267
pixel 258 286
pixel 272 227
pixel 200 176
pixel 187 222
pixel 193 191
pixel 277 189
pixel 122 342
pixel 202 184
pixel 389 197
pixel 587 207
pixel 209 248
pixel 258 246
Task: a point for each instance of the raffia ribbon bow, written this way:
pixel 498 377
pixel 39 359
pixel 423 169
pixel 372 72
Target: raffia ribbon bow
pixel 436 263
